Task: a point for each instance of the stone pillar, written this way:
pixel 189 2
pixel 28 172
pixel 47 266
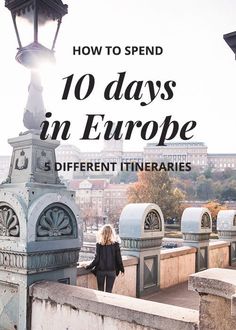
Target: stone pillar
pixel 226 227
pixel 141 231
pixel 196 226
pixel 217 290
pixel 40 231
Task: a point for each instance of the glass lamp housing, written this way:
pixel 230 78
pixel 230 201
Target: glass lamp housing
pixel 37 24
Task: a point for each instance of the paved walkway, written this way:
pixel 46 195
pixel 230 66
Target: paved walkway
pixel 177 295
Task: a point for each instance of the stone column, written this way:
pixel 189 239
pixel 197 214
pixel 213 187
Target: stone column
pixel 217 290
pixel 226 227
pixel 40 230
pixel 196 226
pixel 141 231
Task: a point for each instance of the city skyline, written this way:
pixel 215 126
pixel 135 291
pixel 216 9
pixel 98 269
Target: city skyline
pixel 140 150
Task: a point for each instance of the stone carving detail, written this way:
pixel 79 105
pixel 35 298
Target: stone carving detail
pixel 9 223
pixel 196 237
pixel 234 221
pixel 9 302
pixel 205 222
pixel 21 161
pixel 55 221
pixel 226 234
pixel 43 162
pixel 152 221
pixel 36 261
pixel 131 243
pixel 8 180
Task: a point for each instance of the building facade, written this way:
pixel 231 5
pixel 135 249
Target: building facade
pixel 98 200
pixel 222 161
pixel 195 153
pixel 192 152
pixel 66 153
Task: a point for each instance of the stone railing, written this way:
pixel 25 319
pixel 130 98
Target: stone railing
pixel 60 306
pixel 175 266
pixel 125 285
pixel 219 254
pixel 217 290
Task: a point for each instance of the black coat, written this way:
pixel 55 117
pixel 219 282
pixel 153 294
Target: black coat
pixel 107 258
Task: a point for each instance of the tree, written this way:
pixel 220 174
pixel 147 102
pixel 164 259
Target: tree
pixel 228 194
pixel 87 214
pixel 187 187
pixel 156 187
pixel 214 207
pixel 208 173
pixel 113 215
pixel 204 188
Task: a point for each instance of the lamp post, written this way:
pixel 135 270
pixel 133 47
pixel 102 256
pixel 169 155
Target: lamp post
pixel 230 39
pixel 40 229
pixel 35 22
pixel 37 14
pixel 106 216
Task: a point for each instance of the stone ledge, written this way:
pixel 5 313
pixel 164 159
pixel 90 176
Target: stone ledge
pixel 176 252
pixel 233 305
pixel 218 244
pixel 138 311
pixel 215 281
pixel 127 261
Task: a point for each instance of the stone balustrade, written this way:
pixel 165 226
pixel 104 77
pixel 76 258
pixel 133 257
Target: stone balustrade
pixel 125 285
pixel 219 254
pixel 59 306
pixel 217 290
pixel 175 267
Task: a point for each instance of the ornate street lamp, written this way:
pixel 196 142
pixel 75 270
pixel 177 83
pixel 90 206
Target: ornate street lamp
pixel 40 228
pixel 33 16
pixel 33 21
pixel 230 39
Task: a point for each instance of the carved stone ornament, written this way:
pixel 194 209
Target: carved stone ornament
pixel 55 221
pixel 9 223
pixel 152 221
pixel 38 260
pixel 21 161
pixel 8 180
pixel 42 161
pixel 205 222
pixel 234 221
pixel 129 243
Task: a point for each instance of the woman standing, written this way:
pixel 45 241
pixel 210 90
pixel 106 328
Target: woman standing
pixel 107 262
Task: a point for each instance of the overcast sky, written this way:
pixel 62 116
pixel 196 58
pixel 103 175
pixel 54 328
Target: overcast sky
pixel 194 55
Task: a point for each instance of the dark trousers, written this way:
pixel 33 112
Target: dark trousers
pixel 110 277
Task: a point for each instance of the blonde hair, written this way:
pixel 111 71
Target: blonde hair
pixel 106 235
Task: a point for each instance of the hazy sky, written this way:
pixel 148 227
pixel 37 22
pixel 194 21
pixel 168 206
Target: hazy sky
pixel 194 55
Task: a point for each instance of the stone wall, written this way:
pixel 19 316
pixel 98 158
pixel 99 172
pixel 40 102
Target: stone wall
pixel 217 288
pixel 58 306
pixel 219 254
pixel 125 285
pixel 175 266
